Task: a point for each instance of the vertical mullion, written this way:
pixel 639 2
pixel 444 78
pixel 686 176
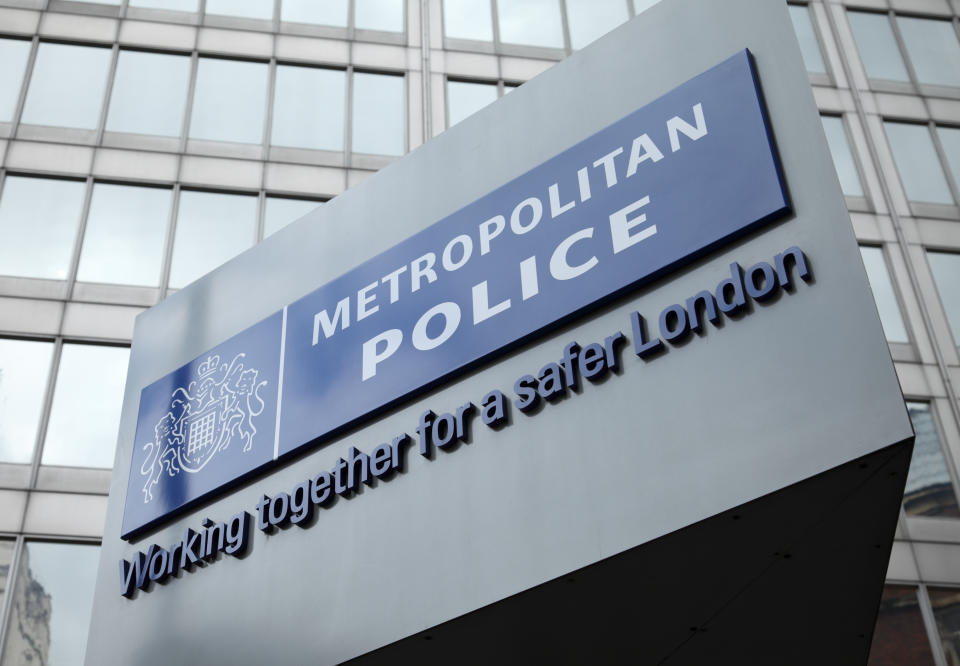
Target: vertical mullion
pixel 10 587
pixel 348 116
pixel 895 27
pixel 565 24
pixel 47 406
pixel 944 163
pixel 168 242
pixel 268 111
pixel 930 623
pixel 78 239
pixel 27 77
pixel 107 92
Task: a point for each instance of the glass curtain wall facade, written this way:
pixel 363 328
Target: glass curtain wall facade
pixel 145 142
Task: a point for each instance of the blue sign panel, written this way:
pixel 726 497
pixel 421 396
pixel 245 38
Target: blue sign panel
pixel 672 180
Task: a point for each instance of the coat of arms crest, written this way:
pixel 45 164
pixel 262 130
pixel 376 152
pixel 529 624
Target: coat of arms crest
pixel 204 417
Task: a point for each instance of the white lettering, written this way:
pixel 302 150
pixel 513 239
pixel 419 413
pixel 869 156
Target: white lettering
pixel 620 226
pixel 481 304
pixel 371 357
pixel 609 169
pixel 650 152
pixel 364 298
pixel 529 284
pixel 555 208
pixel 393 279
pixel 560 268
pixel 677 126
pixel 447 258
pixel 490 230
pixel 451 317
pixel 537 212
pixel 422 268
pixel 583 180
pixel 341 316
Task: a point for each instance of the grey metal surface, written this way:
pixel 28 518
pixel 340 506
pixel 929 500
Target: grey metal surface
pixel 796 388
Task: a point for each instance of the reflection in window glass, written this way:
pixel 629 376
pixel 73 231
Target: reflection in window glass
pixel 229 101
pixel 384 15
pixel 13 63
pixel 933 49
pixel 308 108
pixel 591 19
pixel 929 490
pixel 900 637
pixel 945 267
pixel 883 294
pixel 328 12
pixel 946 609
pixel 66 89
pixel 23 379
pixel 53 597
pixel 531 22
pixel 280 212
pixel 467 19
pixel 85 413
pixel 917 163
pixel 177 5
pixel 378 114
pixel 149 92
pixel 6 557
pixel 211 228
pixel 124 238
pixel 38 226
pixel 258 9
pixel 464 99
pixel 842 157
pixel 809 46
pixel 877 46
pixel 950 140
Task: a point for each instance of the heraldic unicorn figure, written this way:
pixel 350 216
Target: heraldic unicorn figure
pixel 204 418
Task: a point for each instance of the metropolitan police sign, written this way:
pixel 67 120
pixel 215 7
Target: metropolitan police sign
pixel 680 176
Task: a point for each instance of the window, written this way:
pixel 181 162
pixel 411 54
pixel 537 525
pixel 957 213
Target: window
pixel 900 636
pixel 917 163
pixel 467 19
pixel 211 228
pixel 175 5
pixel 229 101
pixel 149 93
pixel 464 99
pixel 877 45
pixel 530 22
pixel 308 108
pixel 39 218
pixel 946 610
pixel 591 19
pixel 931 45
pixel 125 235
pixel 386 15
pixel 281 211
pixel 643 5
pixel 842 157
pixel 950 140
pixel 86 406
pixel 945 267
pixel 378 114
pixel 329 12
pixel 67 86
pixel 13 63
pixel 256 9
pixel 809 46
pixel 6 557
pixel 933 49
pixel 24 365
pixel 883 294
pixel 53 597
pixel 929 490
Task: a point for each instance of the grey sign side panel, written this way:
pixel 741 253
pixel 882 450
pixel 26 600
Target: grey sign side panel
pixel 798 387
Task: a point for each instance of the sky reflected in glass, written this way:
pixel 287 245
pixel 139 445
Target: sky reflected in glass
pixel 530 22
pixel 13 63
pixel 883 294
pixel 327 12
pixel 933 49
pixel 125 235
pixel 211 228
pixel 591 19
pixel 945 267
pixel 280 212
pixel 24 366
pixel 67 85
pixel 378 114
pixel 149 93
pixel 86 406
pixel 842 157
pixel 464 99
pixel 386 15
pixel 929 490
pixel 877 46
pixel 229 101
pixel 257 9
pixel 39 218
pixel 917 163
pixel 807 36
pixel 308 109
pixel 468 19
